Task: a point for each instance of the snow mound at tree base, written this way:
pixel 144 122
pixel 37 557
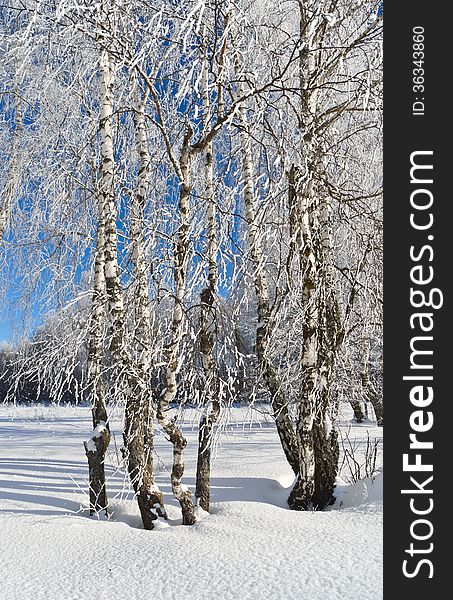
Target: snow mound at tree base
pixel 365 491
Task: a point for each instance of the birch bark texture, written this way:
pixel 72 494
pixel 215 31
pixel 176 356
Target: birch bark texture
pixel 96 447
pixel 143 314
pixel 208 319
pixel 131 382
pixel 181 258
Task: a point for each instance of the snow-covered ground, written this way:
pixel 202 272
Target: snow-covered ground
pixel 250 547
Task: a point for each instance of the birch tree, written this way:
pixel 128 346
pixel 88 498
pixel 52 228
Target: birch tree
pixel 228 225
pixel 309 281
pixel 96 447
pixel 137 409
pixel 208 310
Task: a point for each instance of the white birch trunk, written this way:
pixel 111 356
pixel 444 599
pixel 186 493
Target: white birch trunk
pixel 303 199
pixel 281 414
pixel 302 492
pixel 168 424
pixel 130 381
pixel 318 441
pixel 208 319
pixel 331 337
pixel 143 314
pixel 96 447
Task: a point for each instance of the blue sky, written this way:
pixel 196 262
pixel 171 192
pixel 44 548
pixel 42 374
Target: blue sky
pixel 4 331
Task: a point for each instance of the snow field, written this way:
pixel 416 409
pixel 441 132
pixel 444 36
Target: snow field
pixel 250 547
